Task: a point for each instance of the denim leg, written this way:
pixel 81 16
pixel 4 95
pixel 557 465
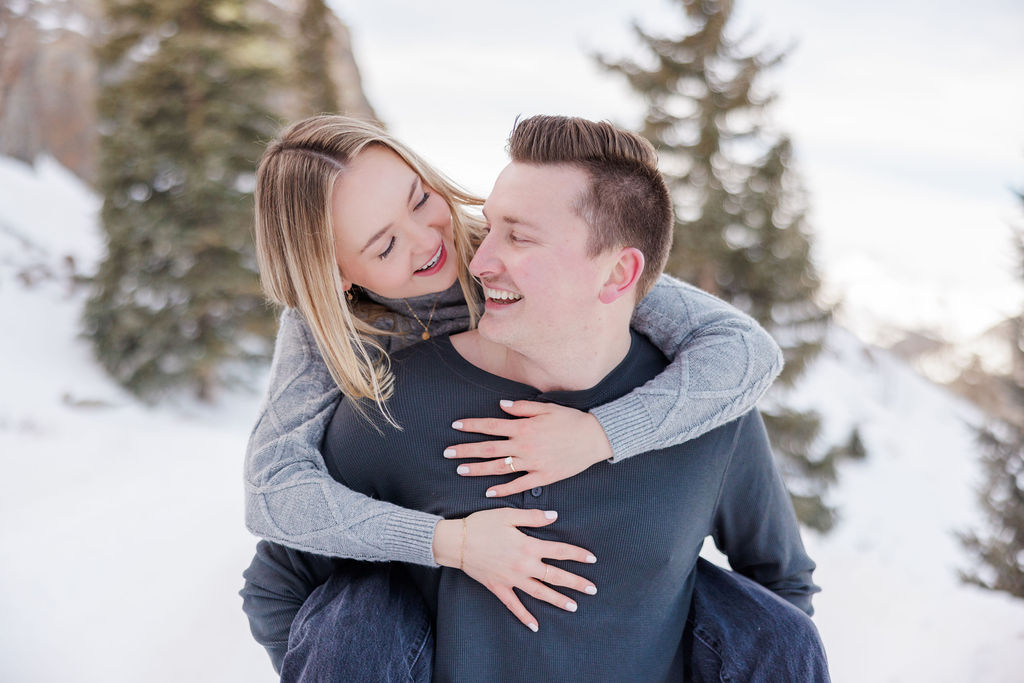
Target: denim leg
pixel 367 623
pixel 740 631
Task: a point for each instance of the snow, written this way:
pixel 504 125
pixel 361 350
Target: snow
pixel 892 607
pixel 123 540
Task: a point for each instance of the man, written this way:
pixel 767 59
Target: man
pixel 580 226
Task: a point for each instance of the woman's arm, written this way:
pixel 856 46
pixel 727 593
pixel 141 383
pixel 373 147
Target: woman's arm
pixel 722 363
pixel 487 545
pixel 290 496
pixel 293 500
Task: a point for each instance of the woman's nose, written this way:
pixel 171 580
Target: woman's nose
pixel 424 236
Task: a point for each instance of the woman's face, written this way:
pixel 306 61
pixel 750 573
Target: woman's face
pixel 392 233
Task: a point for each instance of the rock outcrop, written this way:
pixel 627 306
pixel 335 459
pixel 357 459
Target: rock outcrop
pixel 48 78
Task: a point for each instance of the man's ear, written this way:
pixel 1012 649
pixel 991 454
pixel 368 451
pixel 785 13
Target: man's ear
pixel 625 273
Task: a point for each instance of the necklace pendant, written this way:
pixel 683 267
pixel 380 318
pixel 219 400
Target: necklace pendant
pixel 425 336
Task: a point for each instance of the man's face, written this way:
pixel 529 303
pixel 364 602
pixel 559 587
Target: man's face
pixel 540 285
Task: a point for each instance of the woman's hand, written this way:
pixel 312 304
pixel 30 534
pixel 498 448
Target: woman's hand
pixel 549 444
pixel 488 546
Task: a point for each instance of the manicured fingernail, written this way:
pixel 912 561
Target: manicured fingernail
pixel 462 469
pixel 590 590
pixel 551 514
pixel 456 425
pixel 449 453
pixel 491 493
pixel 591 559
pixel 532 627
pixel 571 606
pixel 506 404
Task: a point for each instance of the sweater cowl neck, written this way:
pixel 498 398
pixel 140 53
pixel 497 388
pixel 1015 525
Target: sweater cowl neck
pixel 446 305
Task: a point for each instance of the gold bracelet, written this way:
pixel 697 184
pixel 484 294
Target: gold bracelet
pixel 462 552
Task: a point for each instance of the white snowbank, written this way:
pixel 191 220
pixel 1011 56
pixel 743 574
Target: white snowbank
pixel 123 543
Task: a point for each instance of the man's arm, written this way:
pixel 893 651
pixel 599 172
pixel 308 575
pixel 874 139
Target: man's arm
pixel 755 524
pixel 722 363
pixel 277 582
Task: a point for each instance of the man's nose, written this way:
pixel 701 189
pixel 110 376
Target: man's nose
pixel 485 261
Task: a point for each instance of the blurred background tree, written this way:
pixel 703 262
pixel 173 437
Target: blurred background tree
pixel 183 115
pixel 313 58
pixel 1000 548
pixel 741 231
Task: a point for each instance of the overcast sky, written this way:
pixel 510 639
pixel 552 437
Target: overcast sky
pixel 908 121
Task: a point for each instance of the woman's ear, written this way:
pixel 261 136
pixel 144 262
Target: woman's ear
pixel 624 275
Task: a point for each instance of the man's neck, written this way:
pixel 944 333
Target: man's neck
pixel 571 366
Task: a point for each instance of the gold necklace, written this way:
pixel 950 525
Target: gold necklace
pixel 426 331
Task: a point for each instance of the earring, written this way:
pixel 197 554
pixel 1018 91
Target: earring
pixel 348 295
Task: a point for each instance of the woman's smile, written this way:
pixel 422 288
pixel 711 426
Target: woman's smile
pixel 436 262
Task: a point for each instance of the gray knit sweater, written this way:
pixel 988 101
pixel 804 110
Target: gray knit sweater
pixel 722 363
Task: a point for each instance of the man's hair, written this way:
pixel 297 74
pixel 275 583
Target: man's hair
pixel 626 203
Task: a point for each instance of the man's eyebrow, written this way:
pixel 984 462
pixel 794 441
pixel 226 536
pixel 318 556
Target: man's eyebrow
pixel 376 236
pixel 512 220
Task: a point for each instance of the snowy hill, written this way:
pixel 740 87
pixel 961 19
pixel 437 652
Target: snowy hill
pixel 122 542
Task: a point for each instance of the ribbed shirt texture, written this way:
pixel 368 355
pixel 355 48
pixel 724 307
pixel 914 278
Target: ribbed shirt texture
pixel 722 362
pixel 645 519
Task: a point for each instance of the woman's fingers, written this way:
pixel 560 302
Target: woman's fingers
pixel 549 595
pixel 517 485
pixel 499 555
pixel 509 599
pixel 566 551
pixel 525 408
pixel 489 468
pixel 553 576
pixel 532 518
pixel 493 426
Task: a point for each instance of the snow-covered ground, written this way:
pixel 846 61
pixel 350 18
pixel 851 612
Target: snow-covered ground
pixel 122 540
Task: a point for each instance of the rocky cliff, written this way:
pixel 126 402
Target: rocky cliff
pixel 48 77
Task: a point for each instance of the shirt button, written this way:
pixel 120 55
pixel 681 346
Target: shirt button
pixel 536 491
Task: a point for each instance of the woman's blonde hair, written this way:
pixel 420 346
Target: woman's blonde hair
pixel 295 243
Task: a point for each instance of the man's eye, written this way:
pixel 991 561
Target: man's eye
pixel 422 201
pixel 513 237
pixel 391 245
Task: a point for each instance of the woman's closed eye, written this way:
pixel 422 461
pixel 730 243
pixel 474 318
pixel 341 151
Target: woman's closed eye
pixel 422 201
pixel 384 254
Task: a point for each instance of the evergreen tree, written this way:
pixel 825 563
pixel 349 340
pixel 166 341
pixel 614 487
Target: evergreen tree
pixel 176 301
pixel 741 230
pixel 313 58
pixel 1000 551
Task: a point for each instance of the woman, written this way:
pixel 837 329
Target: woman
pixel 366 245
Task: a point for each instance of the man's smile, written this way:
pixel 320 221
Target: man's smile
pixel 501 297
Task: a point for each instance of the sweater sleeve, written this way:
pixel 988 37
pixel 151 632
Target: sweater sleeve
pixel 755 525
pixel 722 363
pixel 290 496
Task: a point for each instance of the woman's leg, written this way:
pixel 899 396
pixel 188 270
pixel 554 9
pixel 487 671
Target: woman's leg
pixel 367 623
pixel 740 631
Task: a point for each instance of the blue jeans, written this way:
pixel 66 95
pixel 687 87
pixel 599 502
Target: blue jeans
pixel 371 625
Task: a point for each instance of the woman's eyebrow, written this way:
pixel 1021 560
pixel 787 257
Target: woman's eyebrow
pixel 377 235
